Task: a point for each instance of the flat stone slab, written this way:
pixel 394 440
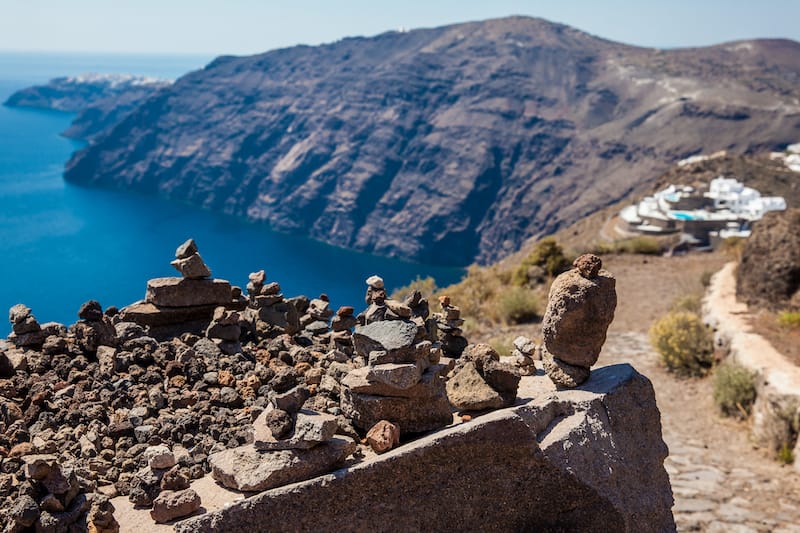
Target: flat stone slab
pixel 411 415
pixel 247 469
pixel 397 375
pixel 430 384
pixel 570 460
pixel 180 292
pixel 392 336
pixel 311 428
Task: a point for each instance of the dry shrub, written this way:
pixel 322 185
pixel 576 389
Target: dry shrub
pixel 426 286
pixel 789 319
pixel 684 343
pixel 518 304
pixel 734 389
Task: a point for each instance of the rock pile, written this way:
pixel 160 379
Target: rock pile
pixel 580 308
pixel 268 311
pixel 175 305
pixel 480 381
pixel 402 382
pixel 379 306
pixel 290 444
pixel 225 330
pixel 54 497
pixel 26 330
pixel 524 354
pixel 449 322
pixel 163 485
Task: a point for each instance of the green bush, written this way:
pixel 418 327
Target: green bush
pixel 684 343
pixel 518 304
pixel 548 256
pixel 789 319
pixel 734 389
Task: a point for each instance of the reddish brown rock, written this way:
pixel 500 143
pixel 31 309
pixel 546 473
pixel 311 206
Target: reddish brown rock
pixel 170 505
pixel 383 436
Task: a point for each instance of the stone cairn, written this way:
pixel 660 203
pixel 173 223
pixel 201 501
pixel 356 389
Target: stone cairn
pixel 524 354
pixel 59 498
pixel 402 380
pixel 162 485
pixel 480 381
pixel 25 329
pixel 449 322
pixel 290 443
pixel 176 305
pixel 579 310
pixel 268 312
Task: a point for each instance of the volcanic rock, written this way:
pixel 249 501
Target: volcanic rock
pixel 310 429
pixel 383 436
pixel 170 505
pixel 769 271
pixel 180 292
pixel 575 449
pixel 578 314
pixel 247 469
pixel 468 391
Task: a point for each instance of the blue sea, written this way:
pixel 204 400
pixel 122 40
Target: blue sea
pixel 62 244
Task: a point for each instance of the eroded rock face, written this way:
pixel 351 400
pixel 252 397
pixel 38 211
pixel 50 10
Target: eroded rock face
pixel 575 450
pixel 769 271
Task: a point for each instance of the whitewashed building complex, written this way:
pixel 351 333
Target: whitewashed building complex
pixel 726 209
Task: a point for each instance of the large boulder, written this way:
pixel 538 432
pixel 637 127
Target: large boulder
pixel 769 271
pixel 587 459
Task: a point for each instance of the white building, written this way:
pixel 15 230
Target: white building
pixel 727 209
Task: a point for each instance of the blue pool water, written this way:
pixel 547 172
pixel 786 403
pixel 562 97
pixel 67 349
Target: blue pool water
pixel 61 244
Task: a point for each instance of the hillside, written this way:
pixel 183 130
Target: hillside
pixel 100 100
pixel 444 145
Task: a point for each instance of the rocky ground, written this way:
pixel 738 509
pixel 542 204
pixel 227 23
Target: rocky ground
pixel 721 481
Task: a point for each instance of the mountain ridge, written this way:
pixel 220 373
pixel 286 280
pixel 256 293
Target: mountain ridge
pixel 444 145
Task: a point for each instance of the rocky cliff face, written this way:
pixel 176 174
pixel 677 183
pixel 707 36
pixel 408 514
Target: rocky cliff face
pixel 101 100
pixel 444 145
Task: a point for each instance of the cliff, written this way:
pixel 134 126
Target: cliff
pixel 100 100
pixel 444 145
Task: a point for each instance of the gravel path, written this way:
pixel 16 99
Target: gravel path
pixel 721 483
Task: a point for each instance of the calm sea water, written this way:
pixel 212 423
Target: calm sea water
pixel 61 245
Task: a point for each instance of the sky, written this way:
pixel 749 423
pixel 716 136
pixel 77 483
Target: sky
pixel 214 27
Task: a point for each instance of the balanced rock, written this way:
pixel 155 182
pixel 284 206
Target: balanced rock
pixel 579 311
pixel 192 267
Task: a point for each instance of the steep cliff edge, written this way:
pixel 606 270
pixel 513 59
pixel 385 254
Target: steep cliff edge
pixel 444 145
pixel 100 100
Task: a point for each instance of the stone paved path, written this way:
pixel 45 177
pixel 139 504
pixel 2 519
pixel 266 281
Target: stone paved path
pixel 721 483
